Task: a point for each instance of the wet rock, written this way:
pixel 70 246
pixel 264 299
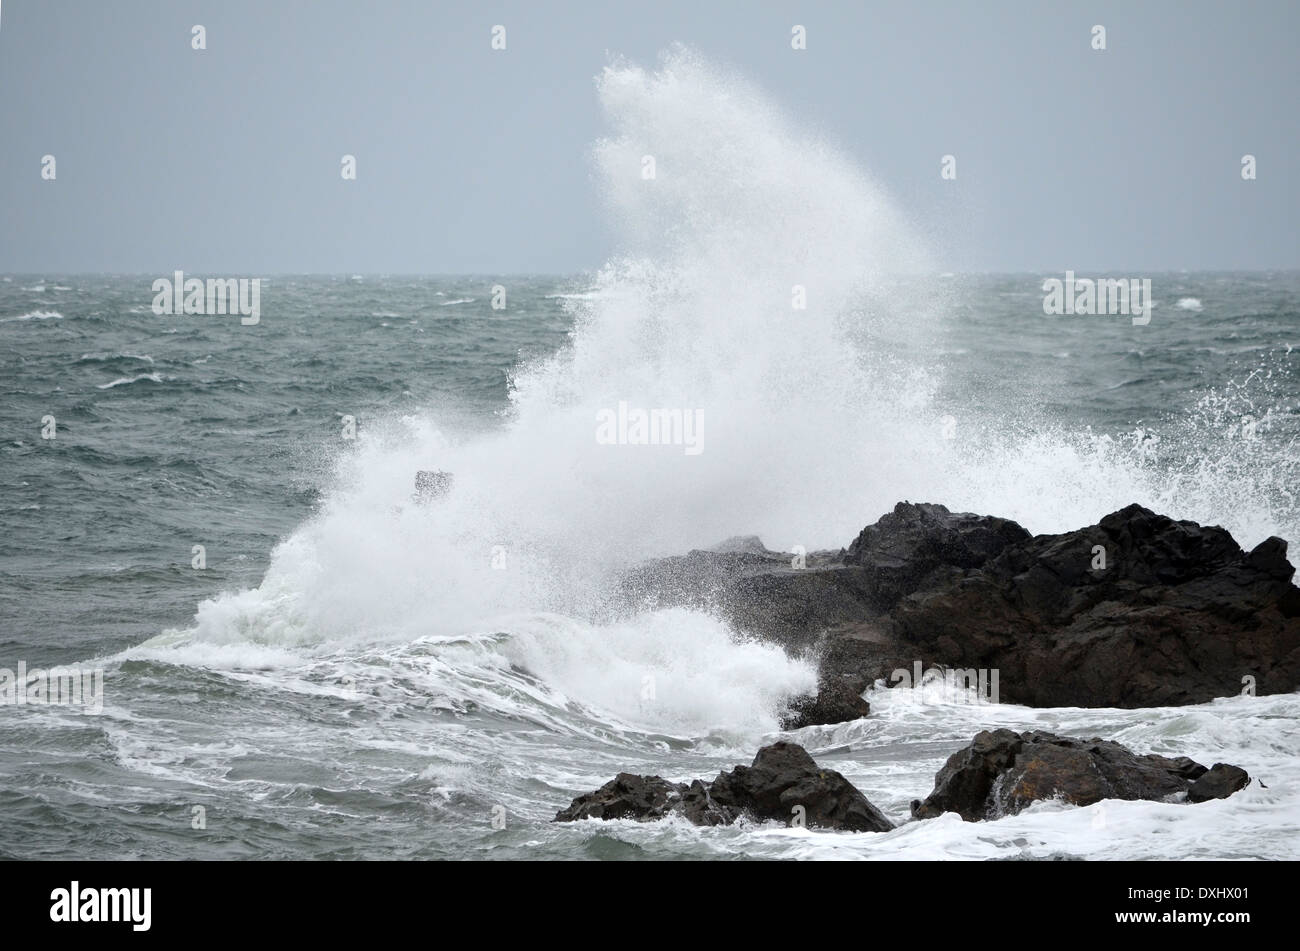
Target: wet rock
pixel 1219 782
pixel 782 778
pixel 626 796
pixel 901 552
pixel 836 701
pixel 758 591
pixel 1138 610
pixel 1001 772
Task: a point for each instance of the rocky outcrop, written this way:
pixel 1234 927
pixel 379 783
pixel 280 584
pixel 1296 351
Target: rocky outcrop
pixel 758 591
pixel 796 600
pixel 903 551
pixel 1002 772
pixel 838 700
pixel 1219 782
pixel 782 778
pixel 1138 610
pixel 645 799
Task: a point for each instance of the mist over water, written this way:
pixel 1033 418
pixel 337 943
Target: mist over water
pixel 383 665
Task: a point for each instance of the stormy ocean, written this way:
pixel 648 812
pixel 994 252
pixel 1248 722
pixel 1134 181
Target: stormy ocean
pixel 302 661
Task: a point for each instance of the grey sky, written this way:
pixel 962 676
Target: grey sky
pixel 226 161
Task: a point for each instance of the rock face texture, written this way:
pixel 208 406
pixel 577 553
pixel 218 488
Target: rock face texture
pixel 838 700
pixel 782 777
pixel 1002 772
pixel 1219 782
pixel 998 774
pixel 1138 610
pixel 1178 614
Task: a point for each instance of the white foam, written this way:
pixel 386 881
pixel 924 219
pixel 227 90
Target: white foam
pixel 674 671
pixel 107 356
pixel 126 380
pixel 34 315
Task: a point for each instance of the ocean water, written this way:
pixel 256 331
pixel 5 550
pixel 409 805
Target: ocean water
pixel 354 675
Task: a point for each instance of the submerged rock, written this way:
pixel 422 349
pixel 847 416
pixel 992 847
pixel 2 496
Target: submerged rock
pixel 1002 772
pixel 782 778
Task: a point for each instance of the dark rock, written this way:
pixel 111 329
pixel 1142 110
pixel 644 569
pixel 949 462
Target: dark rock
pixel 900 552
pixel 699 807
pixel 759 592
pixel 626 796
pixel 1002 772
pixel 1051 857
pixel 1219 782
pixel 782 777
pixel 1179 613
pixel 762 591
pixel 836 701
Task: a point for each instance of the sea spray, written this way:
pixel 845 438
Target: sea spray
pixel 820 418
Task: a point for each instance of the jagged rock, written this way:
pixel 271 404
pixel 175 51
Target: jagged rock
pixel 900 552
pixel 836 701
pixel 1002 772
pixel 626 796
pixel 782 777
pixel 757 591
pixel 1220 782
pixel 1138 610
pixel 1179 614
pixel 785 776
pixel 761 591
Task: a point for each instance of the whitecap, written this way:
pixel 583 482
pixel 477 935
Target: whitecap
pixel 34 315
pixel 123 381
